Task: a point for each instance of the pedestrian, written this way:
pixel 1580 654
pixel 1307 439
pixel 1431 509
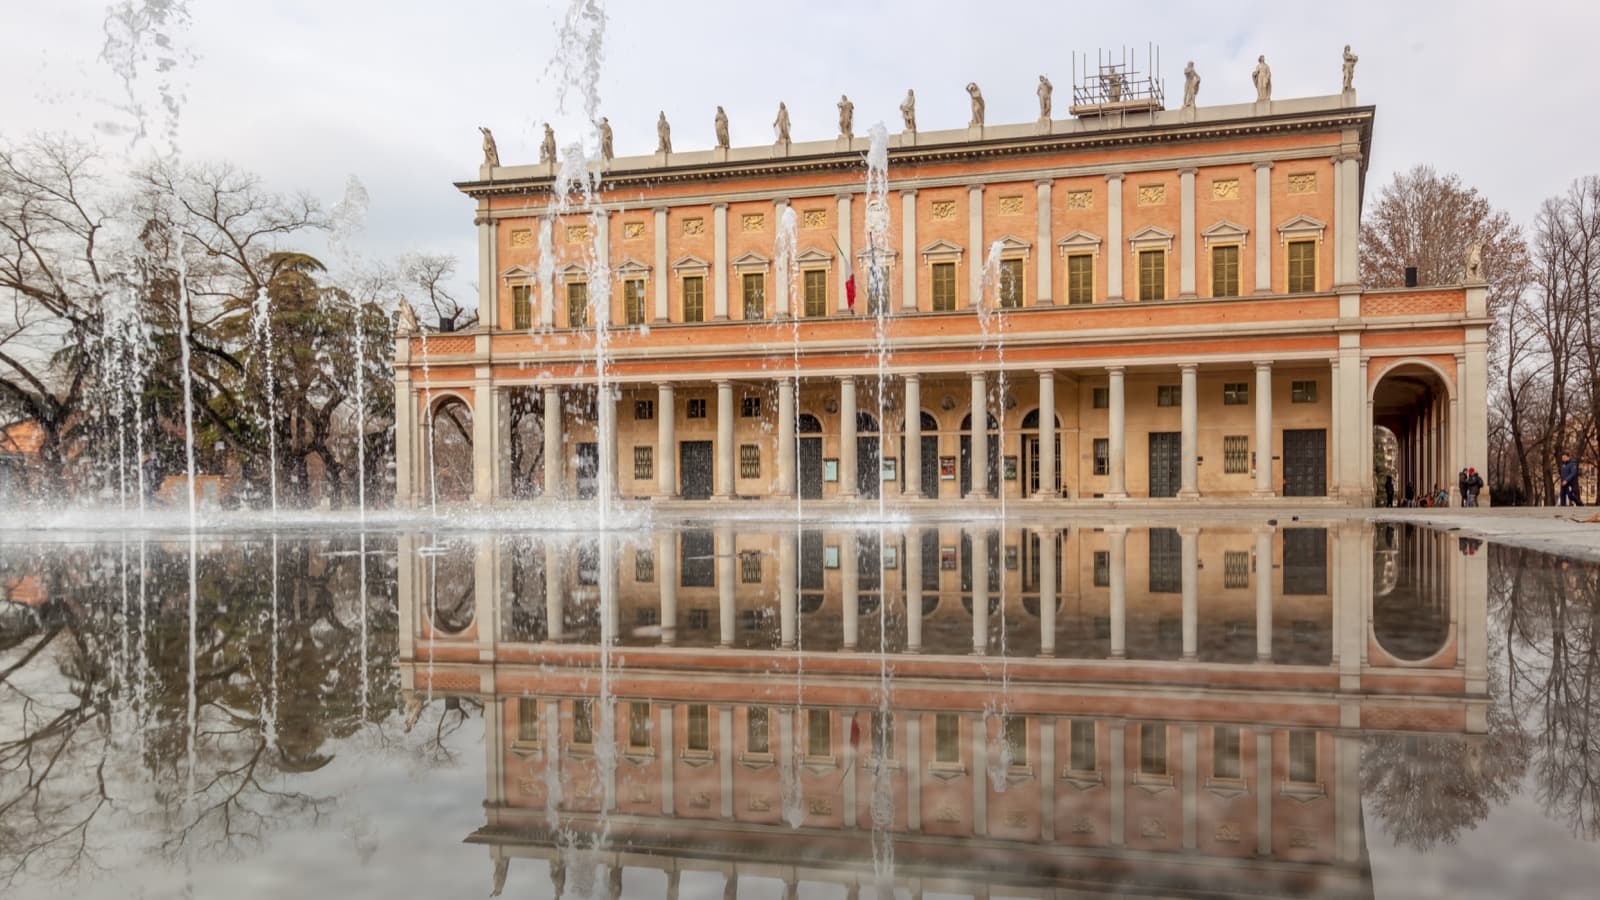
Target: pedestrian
pixel 1388 490
pixel 1411 495
pixel 1441 497
pixel 1474 485
pixel 1461 486
pixel 1569 481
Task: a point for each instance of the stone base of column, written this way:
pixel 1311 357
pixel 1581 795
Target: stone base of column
pixel 1047 654
pixel 723 496
pixel 1263 495
pixel 978 495
pixel 781 495
pixel 1188 295
pixel 912 495
pixel 663 496
pixel 1114 495
pixel 1116 655
pixel 1046 495
pixel 1188 495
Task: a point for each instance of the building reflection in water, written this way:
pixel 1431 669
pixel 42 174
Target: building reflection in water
pixel 951 710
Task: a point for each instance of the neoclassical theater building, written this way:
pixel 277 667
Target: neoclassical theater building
pixel 1177 312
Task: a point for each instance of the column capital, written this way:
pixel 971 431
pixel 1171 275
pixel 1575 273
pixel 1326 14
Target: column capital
pixel 661 210
pixel 908 192
pixel 719 207
pixel 1113 176
pixel 1188 368
pixel 485 220
pixel 1046 372
pixel 911 377
pixel 844 196
pixel 1265 530
pixel 666 385
pixel 977 374
pixel 1116 530
pixel 847 379
pixel 1188 530
pixel 1189 171
pixel 976 188
pixel 780 201
pixel 1044 182
pixel 1263 364
pixel 722 382
pixel 1263 164
pixel 1115 370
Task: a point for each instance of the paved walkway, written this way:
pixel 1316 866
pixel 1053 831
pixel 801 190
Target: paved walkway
pixel 1552 529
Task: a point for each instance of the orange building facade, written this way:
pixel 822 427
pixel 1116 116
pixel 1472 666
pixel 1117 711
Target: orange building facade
pixel 1171 308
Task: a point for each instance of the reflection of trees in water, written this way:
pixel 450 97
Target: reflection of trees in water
pixel 96 702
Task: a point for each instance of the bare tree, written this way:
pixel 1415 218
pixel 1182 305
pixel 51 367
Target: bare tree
pixel 429 275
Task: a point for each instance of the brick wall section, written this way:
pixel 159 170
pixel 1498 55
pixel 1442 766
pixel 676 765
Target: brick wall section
pixel 442 345
pixel 1413 303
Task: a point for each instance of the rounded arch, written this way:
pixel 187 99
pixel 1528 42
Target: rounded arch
pixel 1411 398
pixel 929 421
pixel 806 423
pixel 450 587
pixel 966 422
pixel 439 397
pixel 1395 367
pixel 447 467
pixel 1031 419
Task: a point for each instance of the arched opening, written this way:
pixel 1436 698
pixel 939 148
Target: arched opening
pixel 447 470
pixel 1030 453
pixel 991 458
pixel 1385 457
pixel 928 476
pixel 449 576
pixel 869 462
pixel 1411 617
pixel 1412 402
pixel 808 434
pixel 525 442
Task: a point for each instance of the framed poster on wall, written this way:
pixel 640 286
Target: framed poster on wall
pixel 1011 468
pixel 947 468
pixel 891 469
pixel 830 470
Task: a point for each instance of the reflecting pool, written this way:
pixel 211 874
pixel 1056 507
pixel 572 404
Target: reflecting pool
pixel 1292 709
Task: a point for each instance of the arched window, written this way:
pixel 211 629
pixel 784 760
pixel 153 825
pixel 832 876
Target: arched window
pixel 929 423
pixel 806 423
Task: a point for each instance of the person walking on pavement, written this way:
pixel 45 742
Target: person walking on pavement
pixel 1474 485
pixel 1569 481
pixel 1461 487
pixel 1388 490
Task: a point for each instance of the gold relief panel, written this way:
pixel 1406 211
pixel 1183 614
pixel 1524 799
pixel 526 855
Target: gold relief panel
pixel 1225 189
pixel 522 237
pixel 1010 206
pixel 814 218
pixel 1016 818
pixel 1080 199
pixel 760 803
pixel 1152 194
pixel 944 210
pixel 752 222
pixel 577 234
pixel 820 806
pixel 1082 825
pixel 696 225
pixel 1228 833
pixel 632 231
pixel 1303 183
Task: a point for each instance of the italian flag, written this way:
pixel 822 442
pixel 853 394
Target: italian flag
pixel 849 278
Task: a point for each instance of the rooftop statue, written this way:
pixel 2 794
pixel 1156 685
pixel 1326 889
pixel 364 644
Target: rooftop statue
pixel 908 110
pixel 781 124
pixel 547 149
pixel 605 139
pixel 1191 85
pixel 1350 60
pixel 408 316
pixel 1046 89
pixel 977 104
pixel 1475 261
pixel 1262 76
pixel 847 117
pixel 663 134
pixel 722 129
pixel 491 153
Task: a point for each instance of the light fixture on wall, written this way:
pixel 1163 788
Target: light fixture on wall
pixel 948 403
pixel 830 406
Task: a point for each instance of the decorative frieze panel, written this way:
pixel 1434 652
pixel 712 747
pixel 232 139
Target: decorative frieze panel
pixel 577 234
pixel 944 210
pixel 752 222
pixel 1152 194
pixel 632 231
pixel 1303 183
pixel 522 237
pixel 1080 200
pixel 814 218
pixel 1225 189
pixel 696 225
pixel 1011 206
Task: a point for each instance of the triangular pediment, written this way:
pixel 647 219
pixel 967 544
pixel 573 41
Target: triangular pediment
pixel 813 256
pixel 942 247
pixel 1150 234
pixel 690 262
pixel 1225 232
pixel 750 260
pixel 1011 245
pixel 865 254
pixel 571 270
pixel 1302 226
pixel 518 273
pixel 1080 241
pixel 631 267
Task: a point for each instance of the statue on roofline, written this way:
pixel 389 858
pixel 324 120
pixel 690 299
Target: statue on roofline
pixel 1262 76
pixel 1191 85
pixel 491 152
pixel 1046 90
pixel 977 105
pixel 908 110
pixel 663 134
pixel 722 129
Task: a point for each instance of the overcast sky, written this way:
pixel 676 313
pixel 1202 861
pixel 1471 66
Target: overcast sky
pixel 308 92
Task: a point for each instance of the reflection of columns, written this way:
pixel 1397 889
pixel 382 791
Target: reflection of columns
pixel 1265 790
pixel 1117 559
pixel 1472 594
pixel 979 454
pixel 554 459
pixel 406 444
pixel 1263 575
pixel 672 883
pixel 1347 799
pixel 1045 292
pixel 1263 267
pixel 1047 779
pixel 780 270
pixel 1046 463
pixel 667 579
pixel 1189 442
pixel 848 476
pixel 1186 235
pixel 725 575
pixel 844 239
pixel 847 785
pixel 908 249
pixel 975 248
pixel 980 595
pixel 607 441
pixel 719 261
pixel 1119 778
pixel 668 806
pixel 788 575
pixel 850 587
pixel 1113 237
pixel 1263 394
pixel 1352 590
pixel 914 772
pixel 662 274
pixel 1048 583
pixel 786 416
pixel 1116 443
pixel 980 774
pixel 724 464
pixel 1189 539
pixel 1191 786
pixel 725 758
pixel 911 462
pixel 914 564
pixel 555 586
pixel 666 442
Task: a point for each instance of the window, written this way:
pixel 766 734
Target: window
pixel 750 567
pixel 816 284
pixel 639 725
pixel 644 462
pixel 1152 274
pixel 527 719
pixel 882 736
pixel 1225 271
pixel 819 732
pixel 749 460
pixel 694 298
pixel 755 295
pixel 633 301
pixel 699 727
pixel 1153 749
pixel 1102 456
pixel 1166 561
pixel 1235 454
pixel 1011 283
pixel 1236 393
pixel 758 734
pixel 750 407
pixel 583 722
pixel 696 408
pixel 521 307
pixel 699 619
pixel 1100 397
pixel 644 565
pixel 1225 752
pixel 946 738
pixel 578 304
pixel 1303 392
pixel 1016 733
pixel 944 286
pixel 1169 395
pixel 1236 569
pixel 1083 750
pixel 644 409
pixel 1080 278
pixel 1102 568
pixel 645 618
pixel 1303 757
pixel 1302 266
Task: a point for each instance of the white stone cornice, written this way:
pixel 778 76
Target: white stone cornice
pixel 1080 241
pixel 1150 237
pixel 942 251
pixel 1301 226
pixel 1226 232
pixel 1013 246
pixel 691 265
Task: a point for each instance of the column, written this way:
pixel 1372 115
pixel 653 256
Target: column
pixel 547 287
pixel 724 449
pixel 1347 229
pixel 666 442
pixel 663 270
pixel 1049 582
pixel 1116 443
pixel 1113 237
pixel 405 436
pixel 485 439
pixel 719 262
pixel 725 584
pixel 980 601
pixel 843 201
pixel 914 564
pixel 1263 274
pixel 914 773
pixel 850 589
pixel 602 253
pixel 1048 489
pixel 979 457
pixel 1117 559
pixel 1264 790
pixel 1189 442
pixel 780 272
pixel 975 248
pixel 788 586
pixel 1263 576
pixel 1186 234
pixel 1191 786
pixel 1189 540
pixel 1118 782
pixel 555 587
pixel 1263 392
pixel 488 271
pixel 1352 437
pixel 667 581
pixel 980 775
pixel 668 805
pixel 908 249
pixel 848 476
pixel 555 463
pixel 1338 220
pixel 607 440
pixel 725 759
pixel 1047 779
pixel 786 447
pixel 911 457
pixel 1046 294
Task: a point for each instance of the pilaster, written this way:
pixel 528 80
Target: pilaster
pixel 1263 267
pixel 1186 234
pixel 1044 293
pixel 975 249
pixel 1114 237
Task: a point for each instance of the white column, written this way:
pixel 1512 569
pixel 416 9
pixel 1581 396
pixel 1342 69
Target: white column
pixel 1338 220
pixel 850 589
pixel 667 581
pixel 908 249
pixel 663 271
pixel 1189 440
pixel 1263 576
pixel 607 441
pixel 406 442
pixel 1048 489
pixel 555 463
pixel 786 448
pixel 1348 229
pixel 980 600
pixel 975 249
pixel 1116 442
pixel 914 564
pixel 1186 234
pixel 1191 786
pixel 1263 227
pixel 780 272
pixel 1046 294
pixel 1047 783
pixel 844 237
pixel 547 288
pixel 980 775
pixel 848 486
pixel 1117 559
pixel 725 759
pixel 719 261
pixel 1264 789
pixel 1263 392
pixel 914 773
pixel 1049 582
pixel 668 805
pixel 1118 782
pixel 724 448
pixel 725 584
pixel 555 588
pixel 602 252
pixel 788 585
pixel 979 456
pixel 1189 540
pixel 488 272
pixel 1113 237
pixel 666 442
pixel 911 458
